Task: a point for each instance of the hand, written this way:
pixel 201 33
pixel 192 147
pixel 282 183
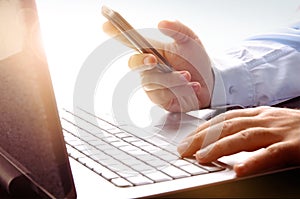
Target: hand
pixel 277 130
pixel 190 86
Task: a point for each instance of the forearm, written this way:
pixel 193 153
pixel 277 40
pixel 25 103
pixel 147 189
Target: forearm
pixel 261 71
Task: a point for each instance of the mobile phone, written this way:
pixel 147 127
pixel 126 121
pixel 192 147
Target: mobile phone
pixel 136 39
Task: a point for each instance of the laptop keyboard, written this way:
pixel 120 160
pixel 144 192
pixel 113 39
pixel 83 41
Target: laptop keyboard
pixel 123 158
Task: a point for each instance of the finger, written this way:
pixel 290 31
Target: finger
pixel 183 104
pixel 110 29
pixel 273 157
pixel 188 147
pixel 142 62
pixel 240 113
pixel 248 112
pixel 247 140
pixel 154 79
pixel 177 105
pixel 211 134
pixel 179 32
pixel 164 96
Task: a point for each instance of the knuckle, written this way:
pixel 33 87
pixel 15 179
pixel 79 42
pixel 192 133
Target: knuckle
pixel 263 108
pixel 197 140
pixel 227 125
pixel 244 136
pixel 217 146
pixel 274 151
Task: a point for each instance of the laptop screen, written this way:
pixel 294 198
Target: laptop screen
pixel 30 138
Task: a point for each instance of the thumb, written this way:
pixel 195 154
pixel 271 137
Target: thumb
pixel 270 158
pixel 178 31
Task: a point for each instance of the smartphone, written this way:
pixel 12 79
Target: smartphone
pixel 136 39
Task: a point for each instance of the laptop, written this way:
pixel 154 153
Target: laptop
pixel 73 152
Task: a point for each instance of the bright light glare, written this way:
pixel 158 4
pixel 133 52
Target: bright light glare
pixel 70 31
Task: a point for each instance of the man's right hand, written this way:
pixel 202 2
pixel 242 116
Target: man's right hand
pixel 190 85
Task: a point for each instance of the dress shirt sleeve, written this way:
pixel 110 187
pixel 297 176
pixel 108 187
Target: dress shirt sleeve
pixel 262 70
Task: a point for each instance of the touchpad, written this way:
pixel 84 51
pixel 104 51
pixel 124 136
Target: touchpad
pixel 176 126
pixel 176 132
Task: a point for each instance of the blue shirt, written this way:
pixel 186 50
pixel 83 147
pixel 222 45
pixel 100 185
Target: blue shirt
pixel 262 70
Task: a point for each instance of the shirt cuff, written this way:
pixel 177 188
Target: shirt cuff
pixel 233 85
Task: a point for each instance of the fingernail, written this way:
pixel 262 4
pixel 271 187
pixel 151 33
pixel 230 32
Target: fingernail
pixel 182 147
pixel 239 165
pixel 196 87
pixel 203 152
pixel 239 169
pixel 149 60
pixel 185 75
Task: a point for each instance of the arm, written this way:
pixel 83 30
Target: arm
pixel 244 75
pixel 263 70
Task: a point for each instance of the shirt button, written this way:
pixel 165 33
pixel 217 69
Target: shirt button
pixel 231 89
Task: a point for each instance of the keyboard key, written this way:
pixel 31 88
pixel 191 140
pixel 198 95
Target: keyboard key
pixel 174 172
pixel 129 148
pixel 157 176
pixel 131 139
pixel 113 151
pixel 74 153
pixel 127 174
pixel 109 162
pixel 106 173
pixel 119 143
pixel 146 157
pixel 167 156
pixel 140 143
pixel 171 148
pixel 102 157
pixel 111 139
pixel 150 148
pixel 211 167
pixel 139 180
pixel 96 167
pixel 122 158
pixel 81 147
pixel 180 162
pixel 96 121
pixel 193 170
pixel 75 142
pixel 159 142
pixel 87 137
pixel 97 143
pixel 157 163
pixel 142 167
pixel 91 151
pixel 122 134
pixel 131 161
pixel 119 167
pixel 121 182
pixel 114 130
